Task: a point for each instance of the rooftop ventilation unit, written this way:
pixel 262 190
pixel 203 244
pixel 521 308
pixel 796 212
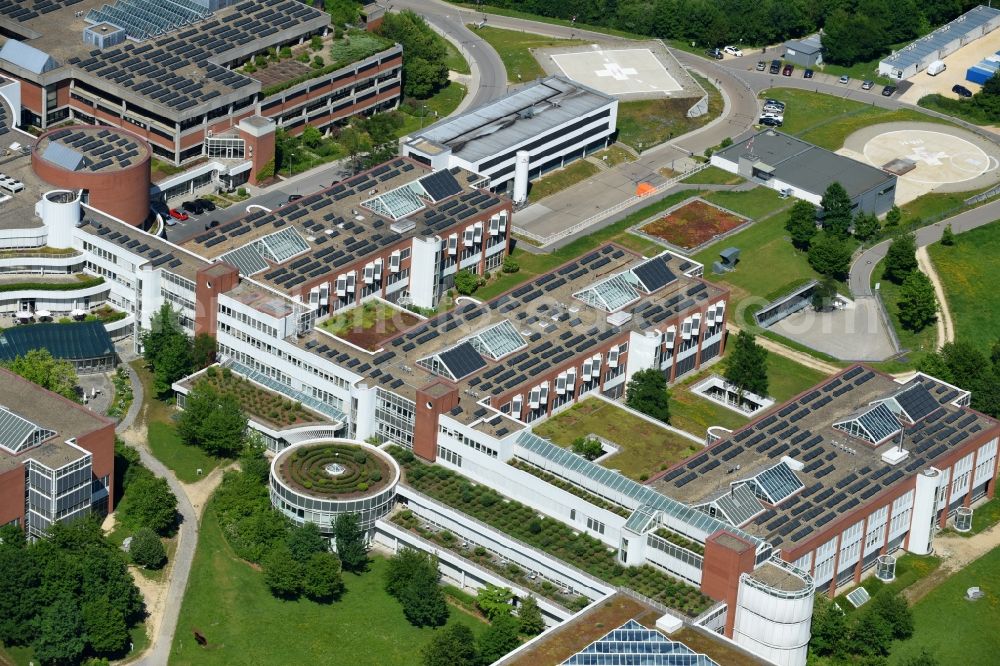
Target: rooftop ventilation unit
pixel 402 226
pixel 619 318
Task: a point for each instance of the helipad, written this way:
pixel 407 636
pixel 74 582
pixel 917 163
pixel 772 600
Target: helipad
pixel 939 158
pixel 618 72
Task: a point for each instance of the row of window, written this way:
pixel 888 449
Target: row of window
pixel 468 441
pixel 247 320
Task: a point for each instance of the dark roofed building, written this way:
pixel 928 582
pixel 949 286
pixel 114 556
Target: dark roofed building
pixel 86 345
pixel 802 170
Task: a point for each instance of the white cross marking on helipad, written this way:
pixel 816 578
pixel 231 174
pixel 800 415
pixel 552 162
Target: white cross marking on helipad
pixel 921 154
pixel 617 71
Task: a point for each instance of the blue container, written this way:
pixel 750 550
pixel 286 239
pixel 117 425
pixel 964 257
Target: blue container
pixel 978 75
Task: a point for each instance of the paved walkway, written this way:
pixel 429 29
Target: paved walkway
pixel 945 327
pixel 799 357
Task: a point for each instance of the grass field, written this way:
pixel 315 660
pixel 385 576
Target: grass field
pixel 455 61
pixel 648 122
pixel 184 460
pixel 968 271
pixel 918 343
pixel 826 120
pixel 559 180
pixel 957 631
pixel 760 202
pixel 428 111
pixel 645 447
pixel 227 601
pixel 615 155
pixel 513 48
pixel 713 176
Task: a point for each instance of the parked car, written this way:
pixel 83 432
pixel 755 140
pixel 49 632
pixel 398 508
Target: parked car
pixel 808 74
pixel 772 116
pixel 775 66
pixel 867 85
pixel 193 207
pixel 714 53
pixel 211 225
pixel 294 197
pixel 888 91
pixel 961 90
pixel 206 204
pixel 770 122
pixel 733 51
pixel 775 102
pixel 178 214
pixel 845 79
pixel 772 110
pixel 787 71
pixel 761 65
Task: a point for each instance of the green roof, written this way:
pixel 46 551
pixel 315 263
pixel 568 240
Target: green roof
pixel 79 341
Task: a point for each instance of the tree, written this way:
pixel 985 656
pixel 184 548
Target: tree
pixel 870 634
pixel 412 577
pixel 149 503
pixel 146 549
pixel 917 302
pixel 106 630
pixel 350 539
pixel 530 617
pixel 829 628
pixel 894 609
pixel 203 350
pixel 494 601
pixel 321 579
pixel 947 236
pixel 498 639
pixel 830 255
pixel 925 658
pixel 893 217
pixel 60 632
pixel 866 226
pixel 20 580
pixel 212 421
pixel 836 207
pixel 282 574
pixel 304 541
pixel 824 294
pixel 934 365
pixel 466 282
pixel 356 142
pixel 424 69
pixel 588 447
pixel 901 258
pixel 167 349
pixel 801 224
pixel 452 646
pixel 647 393
pixel 311 136
pixel 38 366
pixel 401 567
pixel 746 367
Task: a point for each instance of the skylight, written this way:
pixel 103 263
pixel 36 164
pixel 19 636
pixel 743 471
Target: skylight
pixel 611 294
pixel 19 434
pixel 498 340
pixel 278 247
pixel 400 202
pixel 633 643
pixel 875 424
pixel 775 484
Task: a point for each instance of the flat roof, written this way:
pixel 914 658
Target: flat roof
pixel 534 327
pixel 160 253
pixel 839 472
pixel 806 166
pixel 969 24
pixel 338 226
pixel 262 300
pixel 524 114
pixel 779 578
pixel 92 149
pixel 181 70
pixel 49 411
pixel 810 44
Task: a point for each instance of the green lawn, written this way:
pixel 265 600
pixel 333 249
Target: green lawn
pixel 968 272
pixel 713 176
pixel 184 460
pixel 455 61
pixel 576 172
pixel 757 203
pixel 227 601
pixel 918 343
pixel 826 120
pixel 615 155
pixel 423 111
pixel 788 378
pixel 513 47
pixel 534 264
pixel 513 13
pixel 955 630
pixel 648 122
pixel 645 447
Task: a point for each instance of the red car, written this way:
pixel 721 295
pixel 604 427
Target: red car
pixel 787 71
pixel 178 214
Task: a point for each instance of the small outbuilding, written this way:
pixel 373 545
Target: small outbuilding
pixel 805 52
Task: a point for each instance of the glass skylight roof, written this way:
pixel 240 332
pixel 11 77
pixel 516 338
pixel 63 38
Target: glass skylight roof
pixel 738 506
pixel 454 363
pixel 775 484
pixel 278 247
pixel 399 202
pixel 620 489
pixel 611 294
pixel 875 424
pixel 19 434
pixel 634 645
pixel 497 341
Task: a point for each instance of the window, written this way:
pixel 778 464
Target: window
pixel 449 456
pixel 595 526
pixel 230 148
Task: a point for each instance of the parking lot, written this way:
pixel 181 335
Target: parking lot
pixel 958 62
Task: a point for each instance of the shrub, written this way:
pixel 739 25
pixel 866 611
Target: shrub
pixel 362 486
pixel 360 457
pixel 510 265
pixel 303 58
pixel 317 62
pixel 146 549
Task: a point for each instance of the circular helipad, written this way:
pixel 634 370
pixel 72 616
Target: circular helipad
pixel 929 157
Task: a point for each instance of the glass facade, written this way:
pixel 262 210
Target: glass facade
pixel 394 418
pixel 61 495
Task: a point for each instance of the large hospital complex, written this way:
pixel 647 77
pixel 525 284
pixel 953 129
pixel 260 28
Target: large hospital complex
pixel 810 496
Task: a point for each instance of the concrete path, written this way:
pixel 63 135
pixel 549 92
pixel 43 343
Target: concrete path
pixel 801 358
pixel 945 327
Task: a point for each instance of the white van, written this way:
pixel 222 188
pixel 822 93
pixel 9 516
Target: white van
pixel 936 67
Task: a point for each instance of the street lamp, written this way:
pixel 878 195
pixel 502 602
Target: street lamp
pixel 423 115
pixel 291 164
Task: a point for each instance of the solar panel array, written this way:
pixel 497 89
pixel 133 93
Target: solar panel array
pixel 634 644
pixel 25 10
pixel 462 360
pixel 100 149
pixel 142 19
pixel 174 69
pixel 835 480
pixel 159 254
pixel 340 239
